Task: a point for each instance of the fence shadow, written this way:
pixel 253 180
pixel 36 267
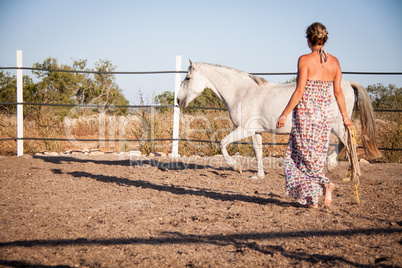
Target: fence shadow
pixel 239 241
pixel 20 264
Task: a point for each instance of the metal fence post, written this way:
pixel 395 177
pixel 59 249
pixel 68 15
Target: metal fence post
pixel 20 107
pixel 176 110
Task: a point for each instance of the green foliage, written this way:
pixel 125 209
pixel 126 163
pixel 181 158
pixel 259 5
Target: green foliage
pixel 8 92
pixel 294 79
pixel 80 88
pixel 56 87
pixel 389 126
pixel 105 91
pixel 206 99
pixel 66 87
pixel 385 97
pixel 166 98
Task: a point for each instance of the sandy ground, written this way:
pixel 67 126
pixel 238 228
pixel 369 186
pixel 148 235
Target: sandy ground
pixel 108 211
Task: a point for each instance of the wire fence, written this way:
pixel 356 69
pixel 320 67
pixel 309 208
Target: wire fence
pixel 141 106
pixel 157 106
pixel 145 140
pixel 174 72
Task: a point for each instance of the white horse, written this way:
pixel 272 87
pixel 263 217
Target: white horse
pixel 255 104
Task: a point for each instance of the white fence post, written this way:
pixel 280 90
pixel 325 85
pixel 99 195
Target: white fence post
pixel 176 110
pixel 20 107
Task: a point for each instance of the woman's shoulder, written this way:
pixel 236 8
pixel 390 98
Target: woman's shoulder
pixel 304 57
pixel 307 57
pixel 333 62
pixel 335 59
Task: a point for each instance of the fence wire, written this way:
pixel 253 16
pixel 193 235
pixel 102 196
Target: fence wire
pixel 151 140
pixel 173 72
pixel 141 106
pixel 157 106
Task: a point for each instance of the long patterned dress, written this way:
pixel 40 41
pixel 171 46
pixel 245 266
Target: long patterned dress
pixel 305 156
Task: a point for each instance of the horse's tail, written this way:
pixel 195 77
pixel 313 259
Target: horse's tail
pixel 367 120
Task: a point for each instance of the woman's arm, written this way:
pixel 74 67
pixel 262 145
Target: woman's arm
pixel 340 99
pixel 302 72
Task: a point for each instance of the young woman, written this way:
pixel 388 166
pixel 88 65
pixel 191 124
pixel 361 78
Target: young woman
pixel 304 161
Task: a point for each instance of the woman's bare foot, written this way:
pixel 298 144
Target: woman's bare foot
pixel 328 188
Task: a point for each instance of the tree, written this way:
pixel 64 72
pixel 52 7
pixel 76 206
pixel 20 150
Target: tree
pixel 8 92
pixel 390 125
pixel 166 98
pixel 206 99
pixel 294 79
pixel 71 87
pixel 385 97
pixel 56 87
pixel 105 90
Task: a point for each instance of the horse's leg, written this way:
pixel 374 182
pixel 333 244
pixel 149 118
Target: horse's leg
pixel 236 135
pixel 339 131
pixel 257 143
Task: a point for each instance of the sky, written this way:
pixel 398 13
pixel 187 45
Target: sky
pixel 255 36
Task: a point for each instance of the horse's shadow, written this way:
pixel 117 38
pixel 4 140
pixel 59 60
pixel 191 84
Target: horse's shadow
pixel 134 162
pixel 187 190
pixel 164 166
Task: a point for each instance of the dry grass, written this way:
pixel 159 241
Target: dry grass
pixel 115 133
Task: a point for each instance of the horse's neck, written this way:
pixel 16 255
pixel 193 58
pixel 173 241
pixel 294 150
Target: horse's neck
pixel 225 83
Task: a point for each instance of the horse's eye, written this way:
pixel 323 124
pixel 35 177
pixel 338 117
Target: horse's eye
pixel 187 78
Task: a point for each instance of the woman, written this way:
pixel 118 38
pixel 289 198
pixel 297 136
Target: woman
pixel 305 156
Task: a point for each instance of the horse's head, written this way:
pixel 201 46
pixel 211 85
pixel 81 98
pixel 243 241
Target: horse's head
pixel 193 85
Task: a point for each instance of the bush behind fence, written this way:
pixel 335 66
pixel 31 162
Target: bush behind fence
pixel 149 128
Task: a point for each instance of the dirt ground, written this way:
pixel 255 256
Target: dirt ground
pixel 110 211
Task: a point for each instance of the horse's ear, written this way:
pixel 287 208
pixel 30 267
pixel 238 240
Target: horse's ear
pixel 191 62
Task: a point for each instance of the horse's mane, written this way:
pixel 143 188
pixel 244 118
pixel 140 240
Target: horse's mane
pixel 258 80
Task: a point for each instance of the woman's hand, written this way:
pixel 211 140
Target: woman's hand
pixel 281 121
pixel 348 123
pixel 346 120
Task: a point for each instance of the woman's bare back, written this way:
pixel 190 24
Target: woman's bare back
pixel 321 70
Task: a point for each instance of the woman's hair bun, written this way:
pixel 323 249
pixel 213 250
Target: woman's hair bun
pixel 317 34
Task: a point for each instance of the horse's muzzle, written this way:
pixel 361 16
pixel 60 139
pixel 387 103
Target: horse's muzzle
pixel 181 103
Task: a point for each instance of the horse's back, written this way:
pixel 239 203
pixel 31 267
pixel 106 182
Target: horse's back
pixel 262 105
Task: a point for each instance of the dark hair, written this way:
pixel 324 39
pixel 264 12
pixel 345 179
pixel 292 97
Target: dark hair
pixel 317 34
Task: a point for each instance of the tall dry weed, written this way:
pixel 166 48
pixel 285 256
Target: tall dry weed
pixel 389 135
pixel 148 125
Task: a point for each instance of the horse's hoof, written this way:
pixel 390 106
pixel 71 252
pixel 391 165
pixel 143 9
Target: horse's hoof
pixel 238 168
pixel 256 177
pixel 332 165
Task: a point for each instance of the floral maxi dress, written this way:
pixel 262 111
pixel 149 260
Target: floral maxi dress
pixel 306 154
